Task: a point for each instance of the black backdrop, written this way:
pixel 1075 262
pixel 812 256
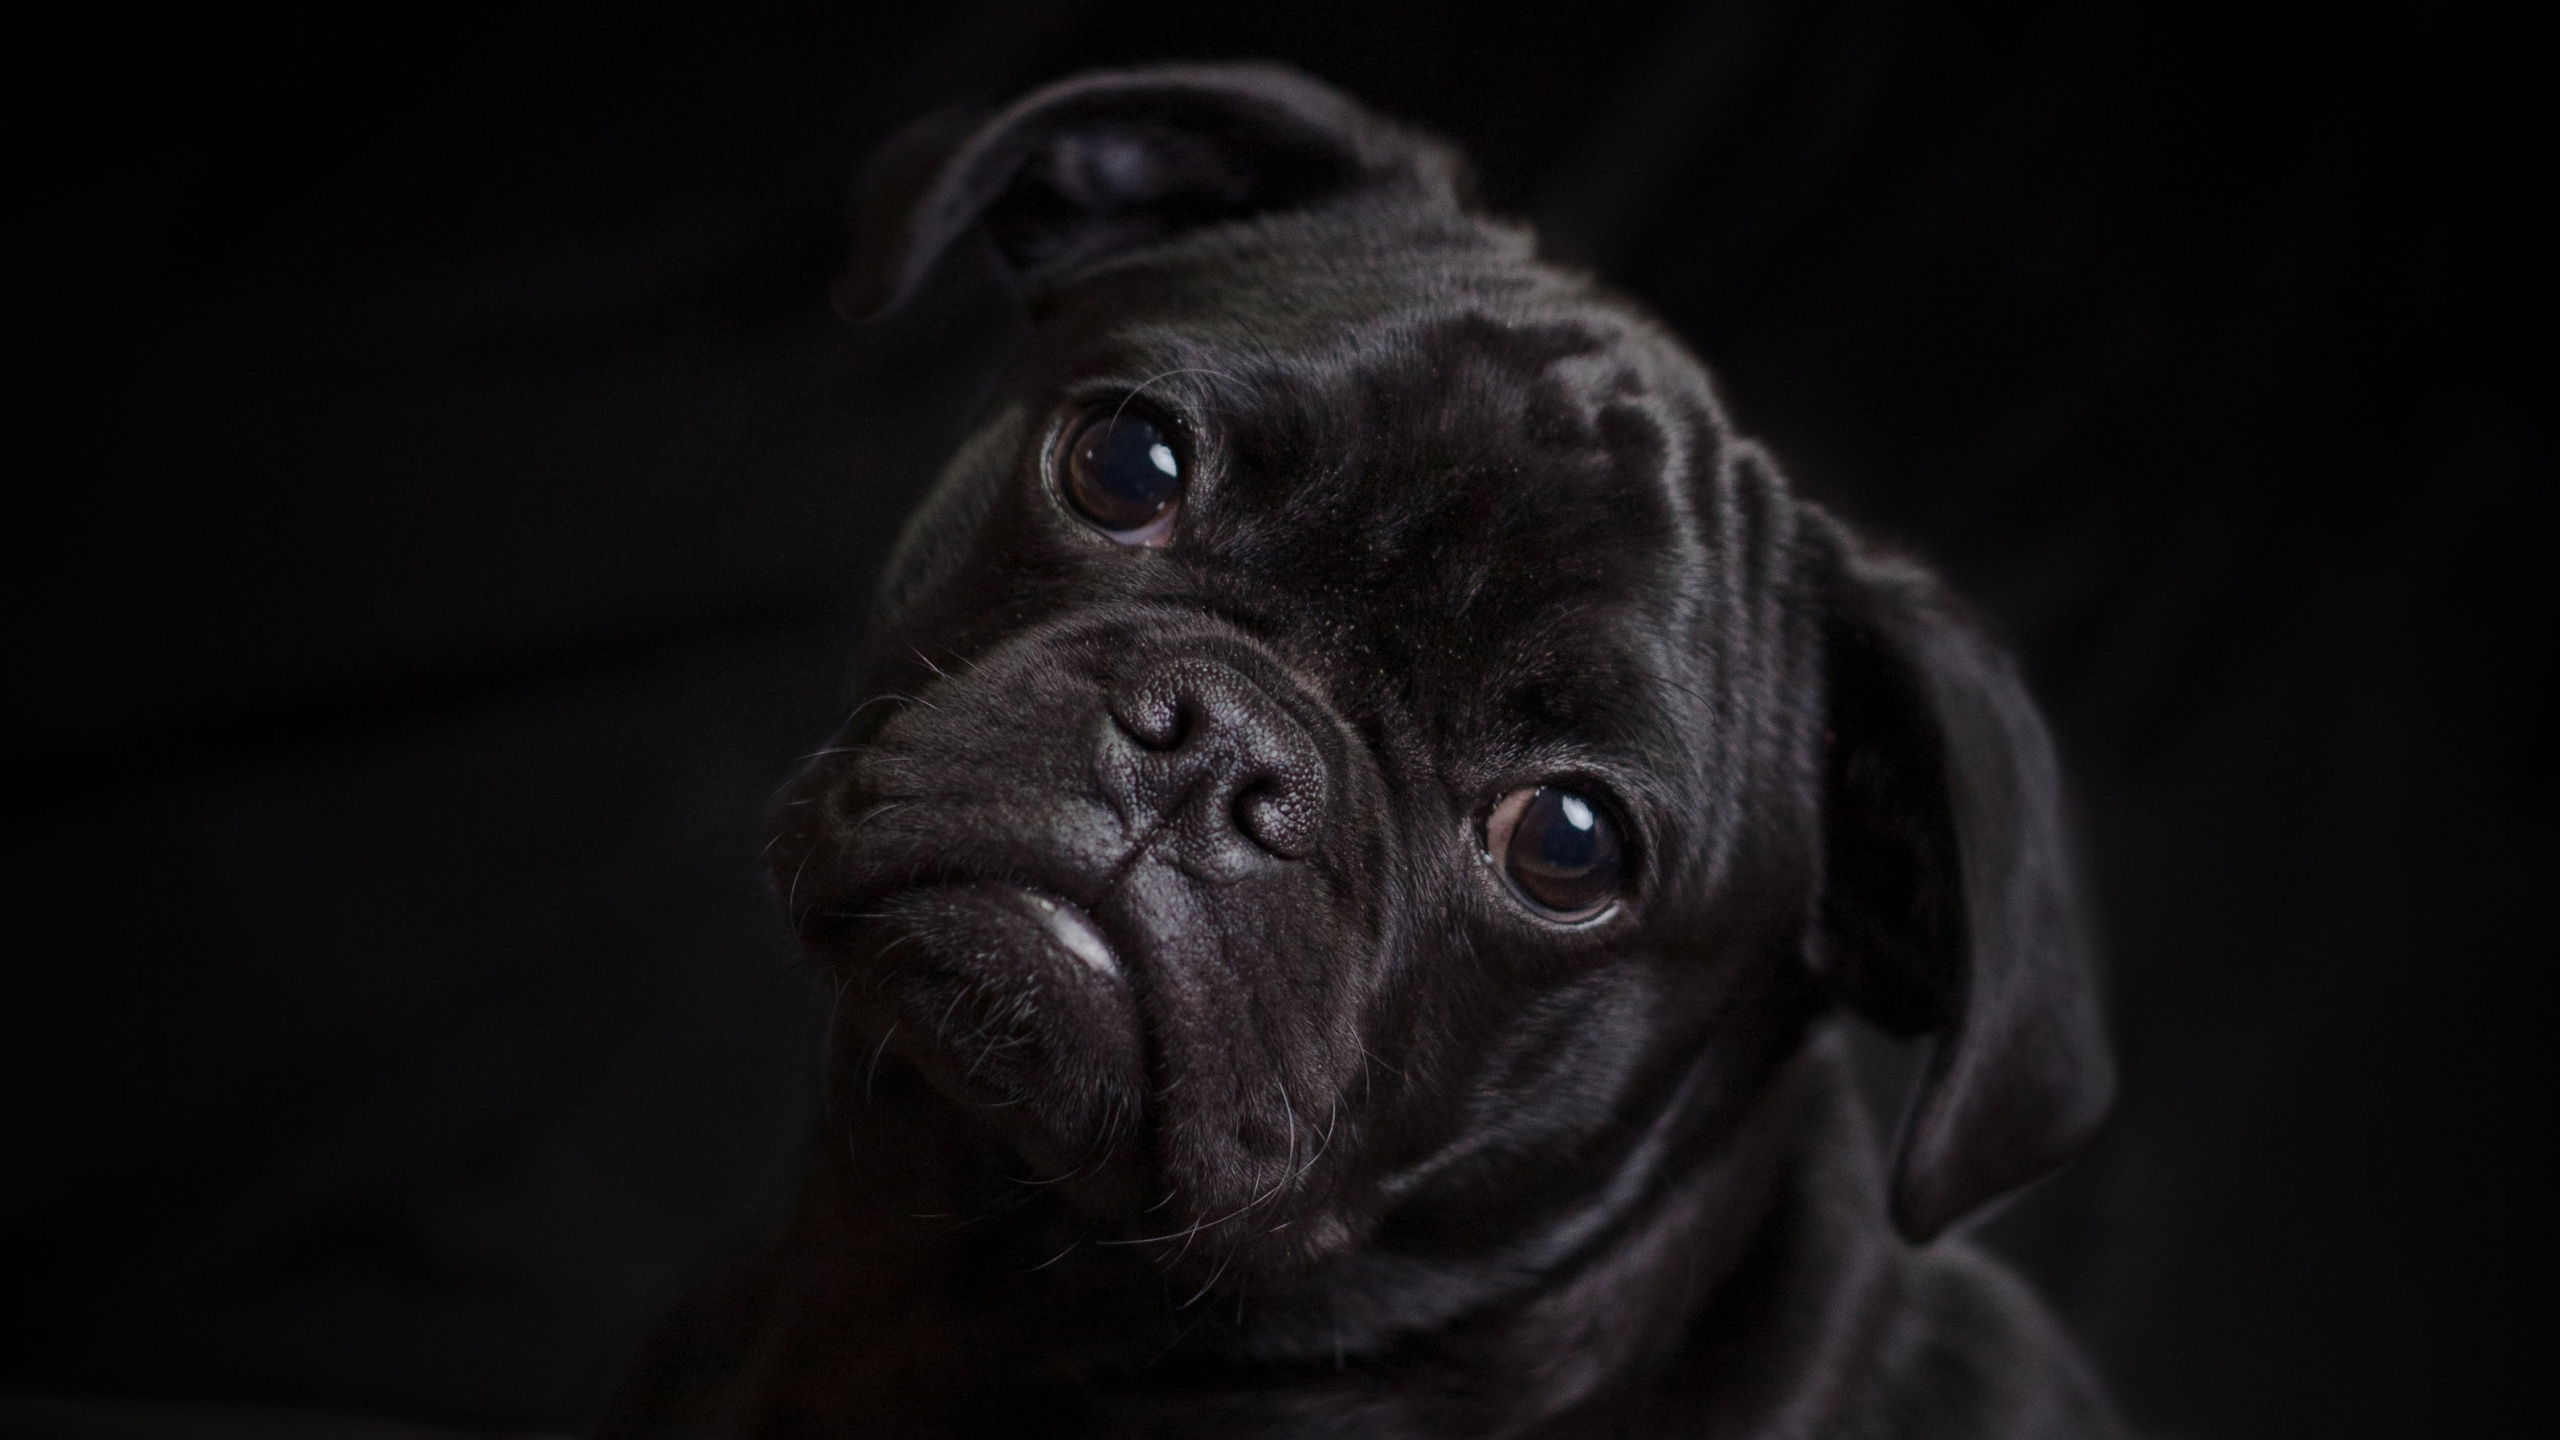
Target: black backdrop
pixel 444 503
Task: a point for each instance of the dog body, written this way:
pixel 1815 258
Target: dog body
pixel 1370 795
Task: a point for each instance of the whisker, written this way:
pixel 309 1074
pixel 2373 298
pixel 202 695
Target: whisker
pixel 1207 1285
pixel 877 1051
pixel 1061 1255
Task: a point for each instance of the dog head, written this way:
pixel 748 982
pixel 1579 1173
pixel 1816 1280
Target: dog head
pixel 1354 724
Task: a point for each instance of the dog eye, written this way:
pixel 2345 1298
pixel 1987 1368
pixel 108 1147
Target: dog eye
pixel 1120 469
pixel 1558 848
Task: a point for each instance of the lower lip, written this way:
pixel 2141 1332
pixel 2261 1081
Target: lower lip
pixel 1074 933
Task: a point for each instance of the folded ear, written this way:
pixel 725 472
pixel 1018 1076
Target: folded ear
pixel 1949 902
pixel 1109 161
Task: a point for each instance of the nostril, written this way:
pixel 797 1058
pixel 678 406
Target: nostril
pixel 1281 817
pixel 1214 743
pixel 1158 722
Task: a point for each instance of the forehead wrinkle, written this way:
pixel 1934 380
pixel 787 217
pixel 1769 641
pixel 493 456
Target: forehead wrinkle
pixel 1421 362
pixel 1657 713
pixel 1229 366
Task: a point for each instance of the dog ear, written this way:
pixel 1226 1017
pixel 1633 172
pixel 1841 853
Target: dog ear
pixel 1949 903
pixel 1113 160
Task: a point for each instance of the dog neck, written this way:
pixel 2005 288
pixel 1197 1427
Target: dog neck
pixel 1545 1316
pixel 881 1307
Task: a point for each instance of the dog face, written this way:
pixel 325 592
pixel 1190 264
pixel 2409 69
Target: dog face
pixel 1354 727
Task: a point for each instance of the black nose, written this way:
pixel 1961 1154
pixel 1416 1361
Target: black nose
pixel 1204 752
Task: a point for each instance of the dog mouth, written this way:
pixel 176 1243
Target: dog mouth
pixel 1102 1012
pixel 1005 930
pixel 1011 1000
pixel 1022 927
pixel 1074 931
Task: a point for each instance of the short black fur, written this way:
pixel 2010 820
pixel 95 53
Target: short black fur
pixel 1196 1072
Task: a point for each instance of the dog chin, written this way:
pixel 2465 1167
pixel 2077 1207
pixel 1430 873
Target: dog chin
pixel 1012 1003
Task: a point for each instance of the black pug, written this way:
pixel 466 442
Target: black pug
pixel 1370 791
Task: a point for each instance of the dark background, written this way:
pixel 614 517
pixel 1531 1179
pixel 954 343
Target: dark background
pixel 444 504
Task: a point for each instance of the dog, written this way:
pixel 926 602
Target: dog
pixel 1373 801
